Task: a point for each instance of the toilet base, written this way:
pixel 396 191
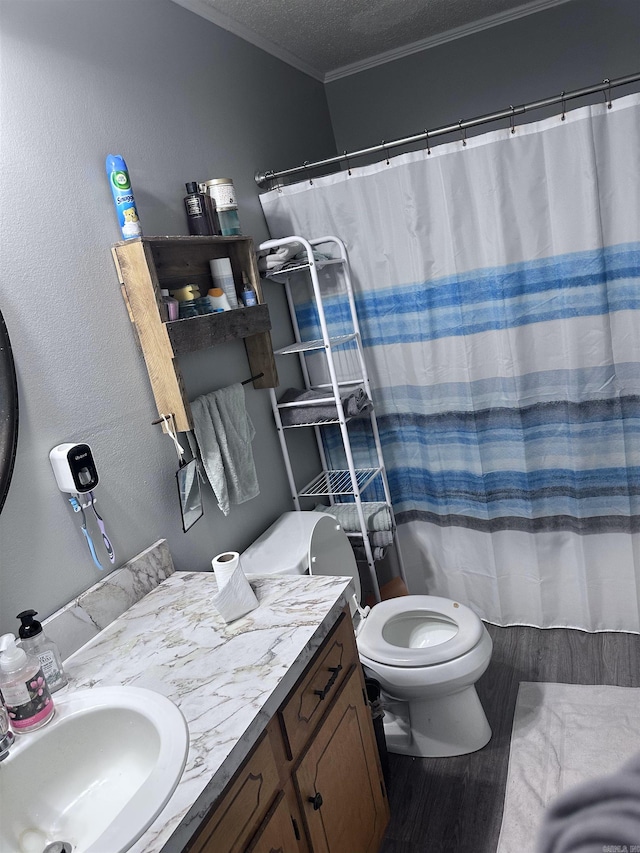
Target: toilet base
pixel 442 726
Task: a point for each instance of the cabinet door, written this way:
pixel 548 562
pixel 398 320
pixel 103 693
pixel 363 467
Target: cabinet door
pixel 277 834
pixel 339 780
pixel 303 710
pixel 243 806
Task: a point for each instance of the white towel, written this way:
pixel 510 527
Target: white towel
pixel 224 433
pixel 376 515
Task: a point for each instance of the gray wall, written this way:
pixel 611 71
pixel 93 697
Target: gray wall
pixel 567 47
pixel 181 100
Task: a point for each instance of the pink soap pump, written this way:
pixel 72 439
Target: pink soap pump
pixel 23 687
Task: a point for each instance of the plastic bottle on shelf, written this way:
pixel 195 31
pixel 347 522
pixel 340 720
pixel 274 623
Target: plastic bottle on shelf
pixel 248 293
pixel 197 218
pixel 173 306
pixel 218 299
pixel 222 276
pixel 229 221
pixel 222 192
pixel 35 642
pixel 24 687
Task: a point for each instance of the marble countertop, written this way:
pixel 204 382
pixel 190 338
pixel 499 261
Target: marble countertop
pixel 228 680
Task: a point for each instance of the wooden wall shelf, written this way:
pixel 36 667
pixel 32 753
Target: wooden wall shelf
pixel 145 266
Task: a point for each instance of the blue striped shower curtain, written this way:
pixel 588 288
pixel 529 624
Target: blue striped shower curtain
pixel 498 289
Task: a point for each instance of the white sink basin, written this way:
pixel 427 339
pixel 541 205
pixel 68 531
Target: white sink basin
pixel 96 776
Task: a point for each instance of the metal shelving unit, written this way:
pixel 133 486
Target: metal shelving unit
pixel 352 481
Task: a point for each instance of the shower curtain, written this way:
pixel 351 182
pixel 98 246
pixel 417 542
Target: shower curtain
pixel 498 290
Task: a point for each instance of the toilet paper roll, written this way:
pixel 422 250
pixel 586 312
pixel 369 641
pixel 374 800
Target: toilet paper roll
pixel 224 565
pixel 237 598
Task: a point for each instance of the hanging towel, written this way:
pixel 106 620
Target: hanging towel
pixel 224 433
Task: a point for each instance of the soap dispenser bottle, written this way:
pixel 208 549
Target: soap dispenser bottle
pixel 24 687
pixel 35 642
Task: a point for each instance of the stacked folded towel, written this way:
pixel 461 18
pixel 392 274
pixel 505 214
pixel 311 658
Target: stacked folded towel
pixel 278 257
pixel 377 519
pixel 317 405
pixel 289 255
pixel 376 515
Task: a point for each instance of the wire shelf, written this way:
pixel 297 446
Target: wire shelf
pixel 339 482
pixel 307 346
pixel 284 271
pixel 318 422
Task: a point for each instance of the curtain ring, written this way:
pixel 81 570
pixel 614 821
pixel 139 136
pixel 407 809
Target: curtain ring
pixel 607 96
pixel 427 135
pixel 464 132
pixel 344 154
pixel 562 117
pixel 512 119
pixel 306 165
pixel 386 153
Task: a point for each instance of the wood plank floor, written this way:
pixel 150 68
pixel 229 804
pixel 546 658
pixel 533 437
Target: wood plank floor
pixel 454 805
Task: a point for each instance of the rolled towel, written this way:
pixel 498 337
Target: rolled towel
pixel 602 814
pixel 361 555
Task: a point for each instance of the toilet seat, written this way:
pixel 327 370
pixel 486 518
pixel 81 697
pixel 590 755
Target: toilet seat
pixel 439 629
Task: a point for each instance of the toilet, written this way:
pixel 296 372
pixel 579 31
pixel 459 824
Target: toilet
pixel 425 651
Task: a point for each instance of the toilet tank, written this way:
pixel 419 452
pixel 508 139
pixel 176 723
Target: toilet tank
pixel 302 542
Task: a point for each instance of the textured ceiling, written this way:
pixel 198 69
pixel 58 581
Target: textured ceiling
pixel 330 38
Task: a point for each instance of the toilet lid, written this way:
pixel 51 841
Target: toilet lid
pixel 330 552
pixel 301 542
pixel 418 630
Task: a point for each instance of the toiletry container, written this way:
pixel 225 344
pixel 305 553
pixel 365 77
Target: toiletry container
pixel 229 222
pixel 222 192
pixel 194 204
pixel 218 299
pixel 171 303
pixel 248 293
pixel 125 203
pixel 222 276
pixel 23 687
pixel 187 297
pixel 36 643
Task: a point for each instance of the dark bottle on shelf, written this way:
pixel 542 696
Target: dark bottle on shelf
pixel 197 218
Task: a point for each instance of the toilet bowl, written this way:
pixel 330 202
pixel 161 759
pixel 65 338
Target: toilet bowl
pixel 426 652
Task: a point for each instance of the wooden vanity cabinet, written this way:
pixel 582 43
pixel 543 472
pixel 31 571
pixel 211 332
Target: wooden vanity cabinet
pixel 327 793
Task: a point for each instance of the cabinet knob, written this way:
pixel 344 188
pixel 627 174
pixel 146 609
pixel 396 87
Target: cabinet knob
pixel 316 801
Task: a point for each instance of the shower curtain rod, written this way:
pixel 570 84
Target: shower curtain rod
pixel 262 178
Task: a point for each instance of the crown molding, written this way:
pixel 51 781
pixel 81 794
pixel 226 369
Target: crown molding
pixel 205 10
pixel 441 38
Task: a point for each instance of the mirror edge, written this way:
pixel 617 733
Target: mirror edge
pixel 8 412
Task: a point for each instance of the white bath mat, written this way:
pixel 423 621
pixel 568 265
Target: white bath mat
pixel 563 734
